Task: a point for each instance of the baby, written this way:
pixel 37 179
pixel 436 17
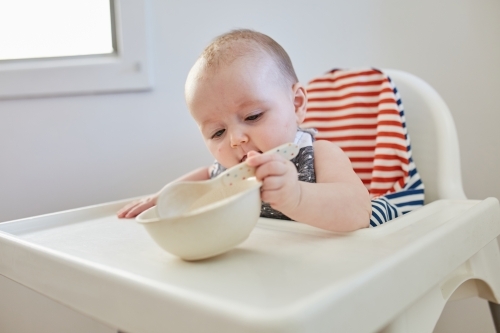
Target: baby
pixel 245 97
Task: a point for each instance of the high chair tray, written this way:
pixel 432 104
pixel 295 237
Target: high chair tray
pixel 286 277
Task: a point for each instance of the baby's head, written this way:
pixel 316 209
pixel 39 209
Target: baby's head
pixel 244 95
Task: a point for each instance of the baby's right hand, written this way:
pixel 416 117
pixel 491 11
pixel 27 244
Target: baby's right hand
pixel 134 208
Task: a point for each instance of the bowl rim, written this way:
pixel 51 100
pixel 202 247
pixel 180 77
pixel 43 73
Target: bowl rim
pixel 140 219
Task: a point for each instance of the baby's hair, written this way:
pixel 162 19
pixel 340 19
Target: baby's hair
pixel 227 47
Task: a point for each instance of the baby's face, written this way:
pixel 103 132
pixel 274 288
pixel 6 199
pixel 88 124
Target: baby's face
pixel 242 107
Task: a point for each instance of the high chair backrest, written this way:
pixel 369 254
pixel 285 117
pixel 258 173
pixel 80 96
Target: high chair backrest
pixel 433 136
pixel 387 122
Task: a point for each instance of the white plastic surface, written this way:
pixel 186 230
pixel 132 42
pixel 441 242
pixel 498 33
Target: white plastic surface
pixel 286 277
pixel 23 310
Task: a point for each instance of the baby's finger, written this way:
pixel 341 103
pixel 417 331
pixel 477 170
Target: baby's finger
pixel 124 210
pixel 257 159
pixel 271 196
pixel 252 153
pixel 272 183
pixel 272 168
pixel 139 209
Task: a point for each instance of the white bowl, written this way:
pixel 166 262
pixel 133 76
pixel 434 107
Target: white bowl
pixel 214 224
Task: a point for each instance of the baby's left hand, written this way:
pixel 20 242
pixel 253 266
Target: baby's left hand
pixel 280 185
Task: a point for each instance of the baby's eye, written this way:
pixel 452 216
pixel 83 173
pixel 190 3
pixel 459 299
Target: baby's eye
pixel 218 134
pixel 254 117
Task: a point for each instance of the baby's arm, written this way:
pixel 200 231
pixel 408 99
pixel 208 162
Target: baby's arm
pixel 338 201
pixel 138 206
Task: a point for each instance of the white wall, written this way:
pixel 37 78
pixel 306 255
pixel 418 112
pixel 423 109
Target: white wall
pixel 66 152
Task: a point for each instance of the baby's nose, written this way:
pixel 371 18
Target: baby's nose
pixel 237 138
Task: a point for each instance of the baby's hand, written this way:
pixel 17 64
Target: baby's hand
pixel 136 207
pixel 280 185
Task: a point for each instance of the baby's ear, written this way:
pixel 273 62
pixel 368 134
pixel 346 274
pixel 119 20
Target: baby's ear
pixel 299 102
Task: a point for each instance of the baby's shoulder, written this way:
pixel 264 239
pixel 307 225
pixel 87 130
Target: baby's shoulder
pixel 331 163
pixel 327 153
pixel 325 147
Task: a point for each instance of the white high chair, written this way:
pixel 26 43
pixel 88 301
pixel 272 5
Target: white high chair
pixel 436 154
pixel 286 277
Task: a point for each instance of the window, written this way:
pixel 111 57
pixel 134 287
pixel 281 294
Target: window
pixel 60 47
pixel 55 28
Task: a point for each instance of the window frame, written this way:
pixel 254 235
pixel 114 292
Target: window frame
pixel 127 69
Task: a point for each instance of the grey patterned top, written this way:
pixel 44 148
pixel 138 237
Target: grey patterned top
pixel 304 162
